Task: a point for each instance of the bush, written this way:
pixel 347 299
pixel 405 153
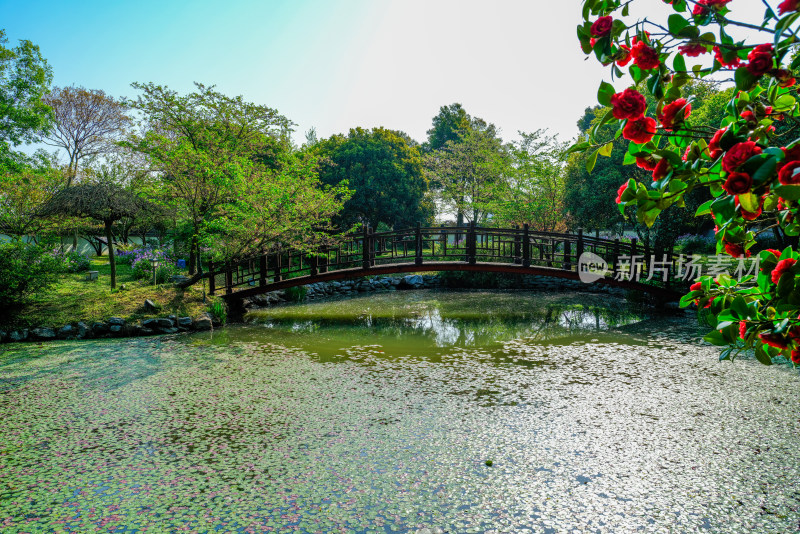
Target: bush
pixel 142 264
pixel 218 312
pixel 25 269
pixel 296 294
pixel 695 244
pixel 71 262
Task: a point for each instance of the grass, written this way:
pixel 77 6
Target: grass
pixel 72 298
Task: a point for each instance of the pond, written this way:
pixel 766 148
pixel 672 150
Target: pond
pixel 415 411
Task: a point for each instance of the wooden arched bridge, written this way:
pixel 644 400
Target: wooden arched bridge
pixel 469 248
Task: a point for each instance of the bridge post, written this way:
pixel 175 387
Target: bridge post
pixel 314 265
pixel 262 270
pixel 211 280
pixel 365 242
pixel 526 246
pixel 418 244
pixel 323 264
pixel 471 243
pixel 567 265
pixel 579 251
pixel 517 246
pixel 278 266
pixel 228 278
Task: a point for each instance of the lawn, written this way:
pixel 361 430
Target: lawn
pixel 72 298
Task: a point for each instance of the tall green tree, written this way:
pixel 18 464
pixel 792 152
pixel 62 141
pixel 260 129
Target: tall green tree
pixel 227 168
pixel 25 77
pixel 448 125
pixel 385 173
pixel 466 171
pixel 532 189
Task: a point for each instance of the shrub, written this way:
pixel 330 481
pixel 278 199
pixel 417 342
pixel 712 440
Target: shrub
pixel 695 244
pixel 218 312
pixel 25 269
pixel 142 264
pixel 70 262
pixel 296 294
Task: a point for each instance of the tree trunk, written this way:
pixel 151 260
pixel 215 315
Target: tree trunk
pixel 193 255
pixel 110 237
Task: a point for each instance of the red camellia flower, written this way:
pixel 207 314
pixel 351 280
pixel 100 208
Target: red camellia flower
pixel 738 154
pixel 736 250
pixel 629 104
pixel 602 26
pixel 795 353
pixel 648 163
pixel 697 286
pixel 662 169
pixel 735 62
pixel 645 57
pixel 760 59
pixel 693 49
pixel 788 175
pixel 784 266
pixel 738 183
pixel 787 5
pixel 750 215
pixel 750 118
pixel 784 77
pixel 774 340
pixel 674 113
pixel 742 329
pixel 714 150
pixel 621 190
pixel 791 154
pixel 776 253
pixel 640 131
pixel 702 7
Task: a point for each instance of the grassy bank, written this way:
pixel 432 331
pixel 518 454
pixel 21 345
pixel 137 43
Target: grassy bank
pixel 72 298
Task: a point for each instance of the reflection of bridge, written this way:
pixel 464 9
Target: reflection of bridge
pixel 471 248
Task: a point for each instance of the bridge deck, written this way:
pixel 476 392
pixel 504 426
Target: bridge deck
pixel 344 274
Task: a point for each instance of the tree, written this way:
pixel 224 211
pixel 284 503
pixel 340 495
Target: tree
pixel 228 171
pixel 532 191
pixel 383 170
pixel 750 161
pixel 200 144
pixel 103 202
pixel 22 195
pixel 86 124
pixel 449 125
pixel 465 171
pixel 25 78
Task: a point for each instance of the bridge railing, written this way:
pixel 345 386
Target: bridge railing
pixel 419 245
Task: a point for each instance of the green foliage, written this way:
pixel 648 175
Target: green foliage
pixel 218 312
pixel 383 168
pixel 451 123
pixel 466 171
pixel 296 293
pixel 24 79
pixel 228 173
pixel 532 188
pixel 25 269
pixel 735 145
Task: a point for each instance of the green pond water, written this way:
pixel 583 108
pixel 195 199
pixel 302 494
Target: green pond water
pixel 380 414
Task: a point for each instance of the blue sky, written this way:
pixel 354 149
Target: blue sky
pixel 329 64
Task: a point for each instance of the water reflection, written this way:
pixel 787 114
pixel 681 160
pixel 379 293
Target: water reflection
pixel 453 319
